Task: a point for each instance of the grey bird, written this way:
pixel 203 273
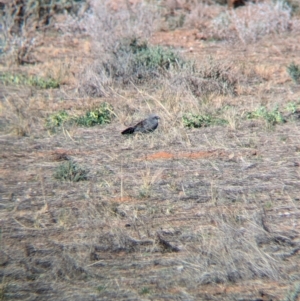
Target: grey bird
pixel 145 126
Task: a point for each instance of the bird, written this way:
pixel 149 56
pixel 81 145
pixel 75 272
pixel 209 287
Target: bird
pixel 145 126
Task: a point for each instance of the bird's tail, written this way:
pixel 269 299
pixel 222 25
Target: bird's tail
pixel 128 131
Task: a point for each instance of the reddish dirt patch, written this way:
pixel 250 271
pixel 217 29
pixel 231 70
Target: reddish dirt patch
pixel 160 155
pixel 190 155
pixel 124 199
pixel 199 155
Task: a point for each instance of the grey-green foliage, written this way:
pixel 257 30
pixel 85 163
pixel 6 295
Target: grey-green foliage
pixel 144 291
pixel 70 171
pixel 294 294
pixel 136 61
pixel 294 72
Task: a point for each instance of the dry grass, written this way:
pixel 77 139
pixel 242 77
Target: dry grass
pixel 23 23
pixel 245 25
pixel 181 213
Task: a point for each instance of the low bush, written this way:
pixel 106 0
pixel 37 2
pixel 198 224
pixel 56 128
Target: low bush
pixel 101 115
pixel 271 117
pixel 133 62
pixel 197 121
pixel 56 120
pixel 70 171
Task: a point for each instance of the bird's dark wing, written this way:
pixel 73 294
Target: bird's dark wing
pixel 140 127
pixel 129 130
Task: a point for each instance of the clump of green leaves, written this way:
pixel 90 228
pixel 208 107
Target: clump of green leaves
pixel 101 115
pixel 294 72
pixel 291 107
pixel 43 83
pixel 197 121
pixel 35 81
pixel 70 171
pixel 56 120
pixel 272 117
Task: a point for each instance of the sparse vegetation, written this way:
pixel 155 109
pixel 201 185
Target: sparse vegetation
pixel 271 117
pixel 206 207
pixel 101 288
pixel 133 62
pixel 211 78
pixel 293 295
pixel 38 82
pixel 70 171
pixel 100 115
pixel 291 107
pixel 246 24
pixel 22 21
pixel 145 291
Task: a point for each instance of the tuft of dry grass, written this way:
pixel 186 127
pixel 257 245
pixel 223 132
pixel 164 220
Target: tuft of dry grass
pixel 17 116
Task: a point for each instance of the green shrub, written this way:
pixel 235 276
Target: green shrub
pixel 153 57
pixel 272 117
pixel 101 115
pixel 197 121
pixel 56 120
pixel 291 107
pixel 294 72
pixel 70 171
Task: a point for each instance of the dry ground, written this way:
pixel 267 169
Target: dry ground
pixel 179 214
